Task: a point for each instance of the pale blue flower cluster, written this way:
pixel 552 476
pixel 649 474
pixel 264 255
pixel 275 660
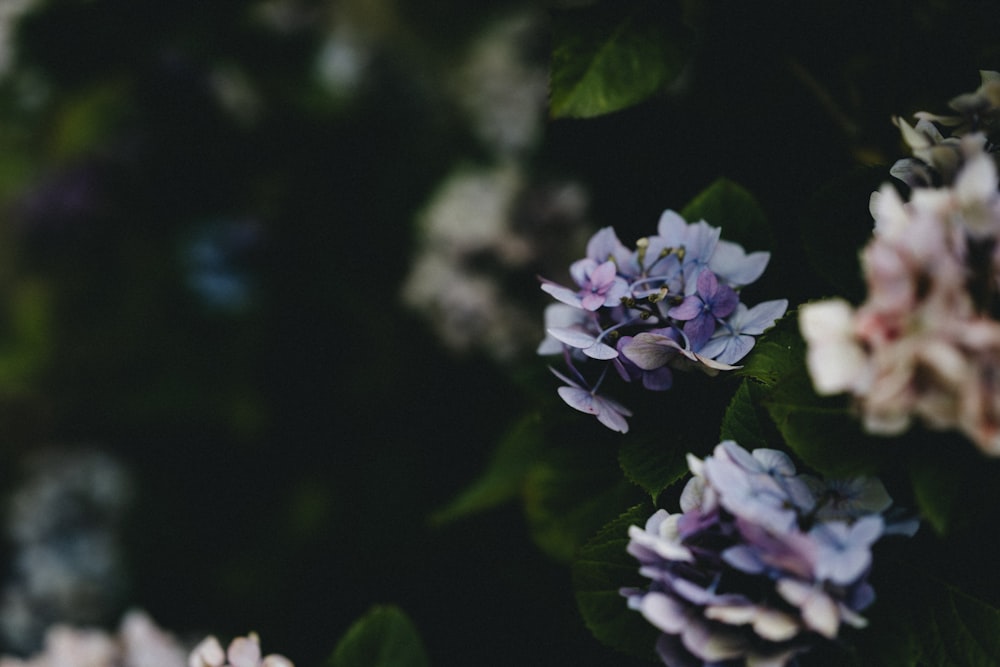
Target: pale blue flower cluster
pixel 761 563
pixel 672 303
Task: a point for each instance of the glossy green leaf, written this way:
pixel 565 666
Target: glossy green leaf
pixel 612 55
pixel 729 206
pixel 570 495
pixel 384 637
pixel 918 619
pixel 742 421
pixel 821 430
pixel 652 463
pixel 601 568
pixel 505 474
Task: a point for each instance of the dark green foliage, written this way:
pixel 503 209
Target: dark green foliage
pixel 599 570
pixel 384 637
pixel 609 56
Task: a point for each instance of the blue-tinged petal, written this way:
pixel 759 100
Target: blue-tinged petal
pixel 604 245
pixel 581 269
pixel 660 379
pixel 734 266
pixel 728 348
pixel 744 559
pixel 583 341
pixel 761 317
pixel 672 228
pixel 774 461
pixel 664 612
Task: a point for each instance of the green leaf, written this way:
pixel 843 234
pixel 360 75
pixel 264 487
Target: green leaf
pixel 384 637
pixel 778 353
pixel 601 568
pixel 505 475
pixel 822 431
pixel 936 486
pixel 609 56
pixel 742 422
pixel 651 463
pixel 920 620
pixel 568 496
pixel 729 206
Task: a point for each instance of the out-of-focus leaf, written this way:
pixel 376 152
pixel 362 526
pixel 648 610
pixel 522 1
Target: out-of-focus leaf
pixel 567 497
pixel 600 569
pixel 384 637
pixel 729 206
pixel 504 477
pixel 612 55
pixel 25 344
pixel 652 462
pixel 937 484
pixel 742 422
pixel 920 620
pixel 822 431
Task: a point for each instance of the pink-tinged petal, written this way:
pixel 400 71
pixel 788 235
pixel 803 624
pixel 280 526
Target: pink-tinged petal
pixel 651 351
pixel 690 308
pixel 244 652
pixel 275 660
pixel 592 301
pixel 603 274
pixel 208 653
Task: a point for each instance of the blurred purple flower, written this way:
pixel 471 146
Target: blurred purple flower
pixel 747 574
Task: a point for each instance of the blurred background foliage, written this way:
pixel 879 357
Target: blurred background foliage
pixel 210 210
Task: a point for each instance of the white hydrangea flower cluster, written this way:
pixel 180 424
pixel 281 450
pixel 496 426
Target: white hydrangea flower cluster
pixel 926 343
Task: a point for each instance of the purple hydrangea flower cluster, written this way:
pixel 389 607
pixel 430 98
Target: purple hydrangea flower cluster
pixel 672 303
pixel 761 563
